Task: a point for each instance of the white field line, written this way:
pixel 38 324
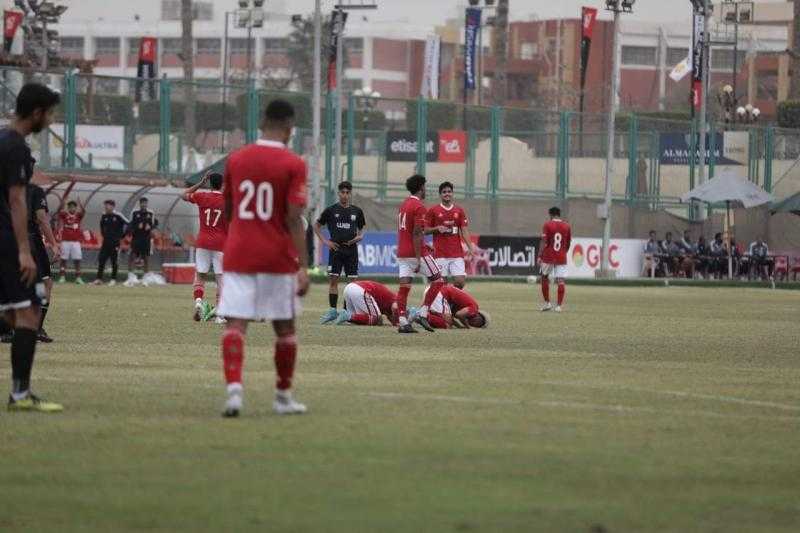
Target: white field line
pixel 613 408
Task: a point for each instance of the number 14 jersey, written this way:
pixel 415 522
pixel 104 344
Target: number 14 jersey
pixel 261 181
pixel 556 239
pixel 213 226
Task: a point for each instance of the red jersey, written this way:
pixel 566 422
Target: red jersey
pixel 384 297
pixel 447 245
pixel 71 226
pixel 213 226
pixel 261 181
pixel 459 299
pixel 410 216
pixel 556 239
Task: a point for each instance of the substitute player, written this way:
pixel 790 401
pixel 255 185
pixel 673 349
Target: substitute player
pixel 345 223
pixel 143 221
pixel 366 303
pixel 210 240
pixel 556 240
pixel 112 228
pixel 454 307
pixel 21 289
pixel 71 235
pixel 412 257
pixel 41 232
pixel 264 257
pixel 448 223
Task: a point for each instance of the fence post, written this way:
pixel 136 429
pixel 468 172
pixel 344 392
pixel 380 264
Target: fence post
pixel 769 153
pixel 253 105
pixel 494 172
pixel 165 95
pixel 561 154
pixel 422 135
pixel 351 134
pixel 469 179
pixel 330 118
pixel 712 148
pixel 71 116
pixel 633 151
pixel 382 167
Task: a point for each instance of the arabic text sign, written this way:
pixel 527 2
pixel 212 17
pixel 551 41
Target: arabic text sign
pixel 105 142
pixel 510 256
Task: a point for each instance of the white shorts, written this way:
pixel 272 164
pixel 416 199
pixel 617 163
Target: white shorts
pixel 453 266
pixel 205 259
pixel 440 305
pixel 359 301
pixel 408 266
pixel 259 296
pixel 71 250
pixel 556 271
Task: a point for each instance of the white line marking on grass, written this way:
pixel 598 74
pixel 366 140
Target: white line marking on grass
pixel 441 398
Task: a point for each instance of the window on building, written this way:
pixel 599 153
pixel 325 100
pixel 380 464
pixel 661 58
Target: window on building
pixel 172 46
pixel 639 55
pixel 210 47
pixel 767 85
pixel 722 58
pixel 354 45
pixel 72 46
pixel 171 10
pixel 133 45
pixel 676 55
pixel 352 84
pixel 104 46
pixel 528 51
pixel 275 46
pixel 239 46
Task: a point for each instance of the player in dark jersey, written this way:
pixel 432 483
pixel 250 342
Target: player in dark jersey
pixel 345 224
pixel 143 221
pixel 21 290
pixel 41 232
pixel 112 229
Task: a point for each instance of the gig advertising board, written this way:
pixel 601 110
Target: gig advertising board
pixel 585 256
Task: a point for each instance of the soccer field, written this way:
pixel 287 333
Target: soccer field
pixel 650 409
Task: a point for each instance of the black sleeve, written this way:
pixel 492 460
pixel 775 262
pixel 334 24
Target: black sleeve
pixel 360 221
pixel 39 200
pixel 324 217
pixel 15 168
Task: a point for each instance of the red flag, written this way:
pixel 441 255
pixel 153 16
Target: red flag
pixel 589 19
pixel 147 49
pixel 11 23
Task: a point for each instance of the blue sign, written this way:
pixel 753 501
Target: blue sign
pixel 675 149
pixel 471 29
pixel 377 253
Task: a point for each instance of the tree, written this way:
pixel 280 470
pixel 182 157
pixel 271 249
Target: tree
pixel 301 51
pixel 187 57
pixel 794 88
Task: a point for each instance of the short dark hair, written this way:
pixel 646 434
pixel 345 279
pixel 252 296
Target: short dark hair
pixel 35 96
pixel 651 232
pixel 72 202
pixel 345 185
pixel 668 234
pixel 445 185
pixel 717 236
pixel 110 202
pixel 215 178
pixel 279 114
pixel 554 211
pixel 142 199
pixel 415 183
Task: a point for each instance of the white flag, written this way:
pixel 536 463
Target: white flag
pixel 430 78
pixel 681 69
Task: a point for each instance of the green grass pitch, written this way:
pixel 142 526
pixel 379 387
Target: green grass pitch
pixel 637 409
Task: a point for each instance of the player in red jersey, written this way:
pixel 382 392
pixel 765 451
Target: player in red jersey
pixel 455 307
pixel 265 259
pixel 71 235
pixel 412 257
pixel 556 239
pixel 210 239
pixel 366 303
pixel 449 225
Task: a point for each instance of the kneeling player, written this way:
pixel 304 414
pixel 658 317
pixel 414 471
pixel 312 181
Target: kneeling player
pixel 366 303
pixel 453 307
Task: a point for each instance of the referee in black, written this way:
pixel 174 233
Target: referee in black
pixel 21 289
pixel 345 223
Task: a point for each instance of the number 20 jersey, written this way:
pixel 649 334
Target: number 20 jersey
pixel 556 239
pixel 261 181
pixel 213 225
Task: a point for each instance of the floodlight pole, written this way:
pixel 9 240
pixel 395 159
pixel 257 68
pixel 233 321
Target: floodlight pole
pixel 316 177
pixel 338 105
pixel 704 75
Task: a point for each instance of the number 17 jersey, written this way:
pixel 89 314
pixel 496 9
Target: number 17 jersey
pixel 261 181
pixel 213 226
pixel 556 239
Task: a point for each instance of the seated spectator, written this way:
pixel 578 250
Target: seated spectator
pixel 651 251
pixel 687 255
pixel 718 254
pixel 702 257
pixel 741 264
pixel 669 255
pixel 760 263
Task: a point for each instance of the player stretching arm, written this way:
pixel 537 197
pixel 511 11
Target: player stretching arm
pixel 556 240
pixel 265 258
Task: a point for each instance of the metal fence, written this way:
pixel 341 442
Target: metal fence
pixel 138 127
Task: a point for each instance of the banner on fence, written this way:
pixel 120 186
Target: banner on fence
pixel 377 253
pixel 728 149
pixel 445 146
pixel 510 256
pixel 585 256
pixel 102 142
pixel 471 29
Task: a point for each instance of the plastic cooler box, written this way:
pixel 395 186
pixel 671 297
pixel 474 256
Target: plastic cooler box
pixel 182 273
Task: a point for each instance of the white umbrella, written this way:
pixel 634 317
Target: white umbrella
pixel 731 188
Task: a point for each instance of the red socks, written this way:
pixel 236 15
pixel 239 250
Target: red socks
pixel 402 299
pixel 232 355
pixel 285 355
pixel 433 292
pixel 561 289
pixel 199 288
pixel 546 288
pixel 364 319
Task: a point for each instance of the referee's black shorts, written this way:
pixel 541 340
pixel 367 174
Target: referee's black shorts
pixel 14 294
pixel 42 259
pixel 345 259
pixel 140 246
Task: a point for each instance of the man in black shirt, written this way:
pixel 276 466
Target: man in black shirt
pixel 112 228
pixel 143 221
pixel 21 290
pixel 41 232
pixel 345 225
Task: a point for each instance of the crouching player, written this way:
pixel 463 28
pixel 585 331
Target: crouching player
pixel 453 307
pixel 366 303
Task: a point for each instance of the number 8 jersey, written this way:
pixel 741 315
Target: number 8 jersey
pixel 213 226
pixel 556 239
pixel 261 181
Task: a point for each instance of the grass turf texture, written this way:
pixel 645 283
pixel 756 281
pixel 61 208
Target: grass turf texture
pixel 638 409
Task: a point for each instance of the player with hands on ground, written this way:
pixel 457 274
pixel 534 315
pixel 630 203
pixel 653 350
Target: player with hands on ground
pixel 210 240
pixel 265 259
pixel 366 303
pixel 556 240
pixel 454 307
